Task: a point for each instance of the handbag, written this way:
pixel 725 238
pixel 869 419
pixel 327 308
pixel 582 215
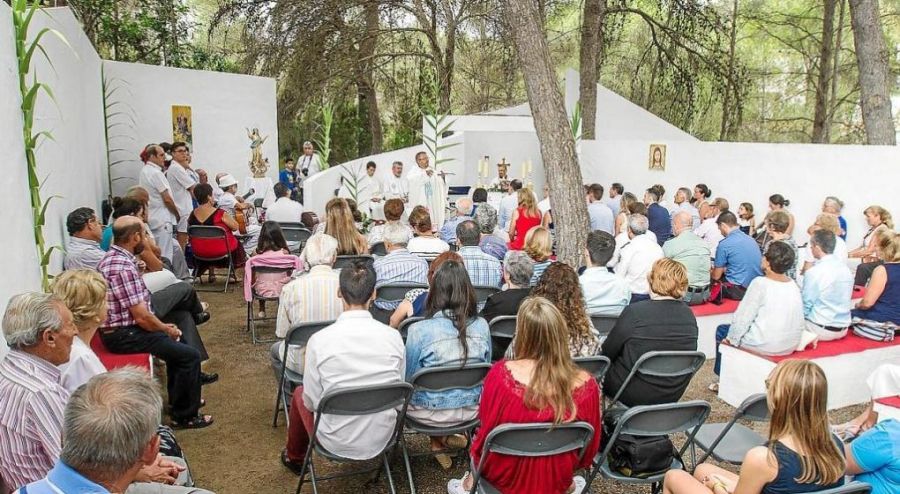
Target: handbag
pixel 874 330
pixel 638 456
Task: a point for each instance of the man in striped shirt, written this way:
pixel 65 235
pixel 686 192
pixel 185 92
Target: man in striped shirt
pixel 484 269
pixel 39 330
pixel 399 266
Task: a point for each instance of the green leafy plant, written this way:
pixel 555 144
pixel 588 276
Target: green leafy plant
pixel 323 133
pixel 116 113
pixel 575 122
pixel 23 15
pixel 438 123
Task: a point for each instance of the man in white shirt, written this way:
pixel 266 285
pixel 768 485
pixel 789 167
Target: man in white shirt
pixel 284 210
pixel 354 351
pixel 604 293
pixel 544 204
pixel 509 203
pixel 709 229
pixel 163 214
pixel 181 182
pixel 638 256
pixel 600 215
pixel 397 187
pixel 614 201
pixel 371 192
pixel 682 203
pixel 308 164
pixel 502 177
pixel 428 188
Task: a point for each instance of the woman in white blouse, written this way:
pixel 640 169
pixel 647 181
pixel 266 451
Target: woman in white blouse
pixel 425 244
pixel 84 293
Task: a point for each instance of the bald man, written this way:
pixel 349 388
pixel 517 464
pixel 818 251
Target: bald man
pixel 693 252
pixel 464 208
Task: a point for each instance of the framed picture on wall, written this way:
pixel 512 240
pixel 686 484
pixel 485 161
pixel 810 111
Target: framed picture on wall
pixel 657 159
pixel 182 126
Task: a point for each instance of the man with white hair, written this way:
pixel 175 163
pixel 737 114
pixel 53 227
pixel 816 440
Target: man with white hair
pixel 108 451
pixel 833 205
pixel 398 266
pixel 517 270
pixel 464 208
pixel 692 252
pixel 312 297
pixel 308 164
pixel 638 256
pixel 39 331
pixel 683 203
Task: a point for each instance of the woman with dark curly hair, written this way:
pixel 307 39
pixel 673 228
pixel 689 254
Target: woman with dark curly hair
pixel 559 284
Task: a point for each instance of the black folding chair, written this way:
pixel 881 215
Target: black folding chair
pixel 378 249
pixel 668 364
pixel 208 232
pixel 653 420
pixel 396 292
pixel 344 261
pixel 730 441
pixel 404 326
pixel 502 329
pixel 298 336
pixel 531 440
pixel 436 380
pixel 595 366
pixel 296 236
pixel 356 401
pixel 603 324
pixel 483 292
pixel 251 318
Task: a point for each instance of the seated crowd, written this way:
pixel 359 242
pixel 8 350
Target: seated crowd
pixel 644 265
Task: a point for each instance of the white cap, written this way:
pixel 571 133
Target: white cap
pixel 226 180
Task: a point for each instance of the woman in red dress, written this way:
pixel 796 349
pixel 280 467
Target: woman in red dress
pixel 542 385
pixel 207 214
pixel 526 217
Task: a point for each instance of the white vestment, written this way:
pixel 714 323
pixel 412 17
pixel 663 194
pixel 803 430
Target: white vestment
pixel 430 192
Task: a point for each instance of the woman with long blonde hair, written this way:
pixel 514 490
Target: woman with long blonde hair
pixel 83 291
pixel 801 455
pixel 524 218
pixel 340 225
pixel 622 218
pixel 539 247
pixel 543 384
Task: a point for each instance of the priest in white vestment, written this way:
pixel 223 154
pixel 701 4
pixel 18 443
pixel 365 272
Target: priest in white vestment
pixel 428 188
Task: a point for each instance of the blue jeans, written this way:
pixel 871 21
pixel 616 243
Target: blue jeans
pixel 721 334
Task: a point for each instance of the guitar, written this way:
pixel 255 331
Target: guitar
pixel 239 214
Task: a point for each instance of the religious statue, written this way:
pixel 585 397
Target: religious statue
pixel 258 164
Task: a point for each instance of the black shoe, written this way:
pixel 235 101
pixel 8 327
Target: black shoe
pixel 201 318
pixel 208 378
pixel 294 467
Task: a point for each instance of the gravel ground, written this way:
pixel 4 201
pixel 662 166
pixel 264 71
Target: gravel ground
pixel 240 452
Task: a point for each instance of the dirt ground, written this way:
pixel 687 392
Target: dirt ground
pixel 240 452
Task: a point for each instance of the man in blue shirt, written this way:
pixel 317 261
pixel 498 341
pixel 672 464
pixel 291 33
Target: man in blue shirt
pixel 874 457
pixel 286 176
pixel 658 216
pixel 827 290
pixel 464 208
pixel 738 259
pixel 600 214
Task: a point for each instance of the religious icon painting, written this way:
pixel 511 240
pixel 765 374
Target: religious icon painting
pixel 658 157
pixel 182 126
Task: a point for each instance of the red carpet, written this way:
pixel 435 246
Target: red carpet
pixel 891 401
pixel 850 344
pixel 115 360
pixel 729 306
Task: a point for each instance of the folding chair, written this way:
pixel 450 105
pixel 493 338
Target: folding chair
pixel 436 380
pixel 653 420
pixel 603 324
pixel 669 364
pixel 595 366
pixel 298 336
pixel 213 232
pixel 483 292
pixel 357 401
pixel 251 318
pixel 729 442
pixel 396 292
pixel 404 326
pixel 854 487
pixel 296 236
pixel 378 249
pixel 502 329
pixel 531 440
pixel 344 261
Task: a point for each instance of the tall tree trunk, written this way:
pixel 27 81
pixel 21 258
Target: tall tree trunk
pixel 821 117
pixel 874 76
pixel 835 69
pixel 591 37
pixel 366 93
pixel 557 143
pixel 446 68
pixel 727 127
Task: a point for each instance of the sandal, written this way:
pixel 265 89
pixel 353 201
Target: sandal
pixel 456 441
pixel 444 460
pixel 198 422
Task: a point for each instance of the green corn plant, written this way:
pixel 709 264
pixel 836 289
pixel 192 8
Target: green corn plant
pixel 575 122
pixel 116 113
pixel 22 15
pixel 438 123
pixel 323 134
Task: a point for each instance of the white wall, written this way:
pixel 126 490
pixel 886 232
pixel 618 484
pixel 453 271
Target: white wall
pixel 751 172
pixel 222 105
pixel 19 264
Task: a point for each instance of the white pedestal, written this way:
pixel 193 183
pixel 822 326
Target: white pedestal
pixel 263 187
